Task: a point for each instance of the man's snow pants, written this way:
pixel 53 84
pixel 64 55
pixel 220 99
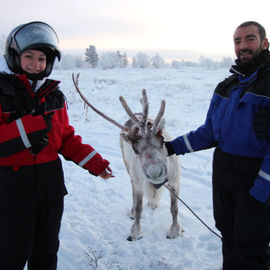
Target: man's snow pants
pixel 31 207
pixel 243 221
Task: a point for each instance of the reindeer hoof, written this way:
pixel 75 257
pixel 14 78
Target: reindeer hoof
pixel 175 232
pixel 131 215
pixel 130 238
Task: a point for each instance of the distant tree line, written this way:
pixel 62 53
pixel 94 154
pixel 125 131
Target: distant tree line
pixel 110 60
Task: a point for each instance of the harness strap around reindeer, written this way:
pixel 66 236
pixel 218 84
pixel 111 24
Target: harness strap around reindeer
pixel 157 186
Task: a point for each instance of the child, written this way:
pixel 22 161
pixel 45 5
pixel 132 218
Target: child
pixel 34 129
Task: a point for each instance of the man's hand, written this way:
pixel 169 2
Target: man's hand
pixel 169 148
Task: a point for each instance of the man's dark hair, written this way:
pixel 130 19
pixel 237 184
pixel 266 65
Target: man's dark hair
pixel 261 29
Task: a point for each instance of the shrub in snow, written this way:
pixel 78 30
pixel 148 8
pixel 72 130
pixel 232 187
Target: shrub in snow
pixel 157 61
pixel 141 60
pixel 113 60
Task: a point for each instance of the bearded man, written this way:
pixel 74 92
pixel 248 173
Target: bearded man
pixel 237 125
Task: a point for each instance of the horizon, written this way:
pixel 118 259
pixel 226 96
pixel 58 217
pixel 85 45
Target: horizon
pixel 168 54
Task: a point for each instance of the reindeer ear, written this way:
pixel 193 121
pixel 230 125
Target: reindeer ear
pixel 160 128
pixel 159 132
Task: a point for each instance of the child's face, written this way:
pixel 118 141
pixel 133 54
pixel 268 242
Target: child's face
pixel 33 61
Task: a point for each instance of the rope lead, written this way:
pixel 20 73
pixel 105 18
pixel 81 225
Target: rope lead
pixel 192 211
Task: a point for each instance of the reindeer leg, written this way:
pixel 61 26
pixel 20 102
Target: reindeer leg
pixel 175 229
pixel 136 232
pixel 132 211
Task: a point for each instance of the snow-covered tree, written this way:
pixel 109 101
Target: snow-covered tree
pixel 140 60
pixel 176 64
pixel 108 60
pixel 226 62
pixel 113 60
pixel 79 62
pixel 91 56
pixel 157 61
pixel 124 60
pixel 207 63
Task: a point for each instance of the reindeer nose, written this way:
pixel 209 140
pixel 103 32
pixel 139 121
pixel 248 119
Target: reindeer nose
pixel 153 171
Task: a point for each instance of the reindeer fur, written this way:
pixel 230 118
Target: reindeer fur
pixel 142 187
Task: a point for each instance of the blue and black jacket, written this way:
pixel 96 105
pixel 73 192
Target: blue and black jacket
pixel 229 121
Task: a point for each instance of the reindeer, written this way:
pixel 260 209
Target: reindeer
pixel 146 161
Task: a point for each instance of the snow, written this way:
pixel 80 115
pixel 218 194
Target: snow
pixel 95 223
pixel 3 65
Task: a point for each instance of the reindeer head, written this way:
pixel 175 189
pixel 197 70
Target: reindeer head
pixel 145 137
pixel 143 134
pixel 135 137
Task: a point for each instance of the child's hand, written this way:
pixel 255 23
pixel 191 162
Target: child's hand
pixel 106 174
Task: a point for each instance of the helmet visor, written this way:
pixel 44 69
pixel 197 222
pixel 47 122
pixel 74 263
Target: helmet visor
pixel 33 35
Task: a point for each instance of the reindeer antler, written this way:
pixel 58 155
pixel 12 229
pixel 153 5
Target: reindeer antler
pixel 76 82
pixel 159 116
pixel 139 123
pixel 145 106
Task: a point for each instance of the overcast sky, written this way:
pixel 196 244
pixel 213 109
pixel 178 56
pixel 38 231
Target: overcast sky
pixel 198 25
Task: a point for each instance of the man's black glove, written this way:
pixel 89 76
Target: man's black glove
pixel 170 150
pixel 44 141
pixel 261 123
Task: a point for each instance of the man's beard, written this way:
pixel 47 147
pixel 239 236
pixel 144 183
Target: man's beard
pixel 246 68
pixel 251 55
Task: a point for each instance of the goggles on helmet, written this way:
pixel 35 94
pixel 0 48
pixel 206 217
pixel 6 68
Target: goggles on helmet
pixel 35 34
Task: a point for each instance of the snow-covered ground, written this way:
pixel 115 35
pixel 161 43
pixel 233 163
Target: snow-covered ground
pixel 95 223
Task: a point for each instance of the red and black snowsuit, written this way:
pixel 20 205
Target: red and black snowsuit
pixel 32 186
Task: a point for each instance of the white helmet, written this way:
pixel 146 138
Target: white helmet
pixel 34 35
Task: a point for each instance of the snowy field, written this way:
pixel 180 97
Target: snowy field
pixel 95 224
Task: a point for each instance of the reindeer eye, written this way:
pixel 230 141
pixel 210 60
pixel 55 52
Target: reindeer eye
pixel 162 140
